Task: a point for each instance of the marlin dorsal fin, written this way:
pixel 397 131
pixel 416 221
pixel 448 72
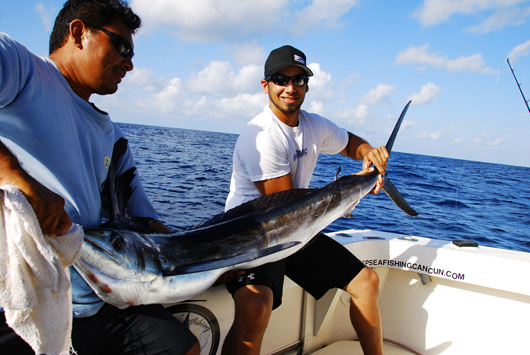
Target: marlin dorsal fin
pixel 392 138
pixel 388 188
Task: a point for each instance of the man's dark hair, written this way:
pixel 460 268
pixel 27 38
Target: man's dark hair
pixel 96 12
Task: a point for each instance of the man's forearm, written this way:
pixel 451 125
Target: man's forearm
pixel 11 172
pixel 48 206
pixel 357 147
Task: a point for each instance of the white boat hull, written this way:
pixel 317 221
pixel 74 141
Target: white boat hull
pixel 436 298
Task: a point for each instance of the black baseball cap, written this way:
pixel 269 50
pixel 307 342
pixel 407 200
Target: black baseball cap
pixel 283 57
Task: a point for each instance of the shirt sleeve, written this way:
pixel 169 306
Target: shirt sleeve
pixel 15 67
pixel 335 139
pixel 139 204
pixel 263 156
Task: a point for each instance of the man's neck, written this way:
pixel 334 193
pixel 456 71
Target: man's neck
pixel 291 119
pixel 66 68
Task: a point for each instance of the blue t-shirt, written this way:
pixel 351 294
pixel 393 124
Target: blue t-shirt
pixel 63 142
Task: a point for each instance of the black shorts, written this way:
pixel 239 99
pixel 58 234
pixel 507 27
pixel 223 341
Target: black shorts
pixel 133 330
pixel 322 265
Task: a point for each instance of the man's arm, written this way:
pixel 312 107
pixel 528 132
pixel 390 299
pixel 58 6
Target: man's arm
pixel 267 187
pixel 48 206
pixel 159 227
pixel 359 149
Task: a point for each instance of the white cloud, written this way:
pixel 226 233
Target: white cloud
pixel 502 18
pixel 322 12
pixel 140 77
pixel 351 80
pixel 473 64
pixel 380 93
pixel 320 78
pixel 407 123
pixel 166 99
pixel 249 53
pixel 317 107
pixel 432 135
pixel 355 117
pixel 47 15
pixel 437 134
pixel 497 142
pixel 321 85
pixel 218 90
pixel 248 78
pixel 212 20
pixel 196 107
pixel 459 140
pixel 522 50
pixel 212 79
pixel 421 57
pixel 427 92
pixel 479 138
pixel 243 105
pixel 219 79
pixel 359 112
pixel 434 12
pixel 207 20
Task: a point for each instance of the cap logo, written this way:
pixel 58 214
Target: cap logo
pixel 299 59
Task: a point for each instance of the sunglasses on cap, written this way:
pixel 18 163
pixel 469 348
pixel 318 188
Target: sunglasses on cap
pixel 283 80
pixel 122 45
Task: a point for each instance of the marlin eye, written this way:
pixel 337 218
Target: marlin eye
pixel 151 254
pixel 117 241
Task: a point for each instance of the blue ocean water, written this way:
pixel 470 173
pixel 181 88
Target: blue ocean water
pixel 186 174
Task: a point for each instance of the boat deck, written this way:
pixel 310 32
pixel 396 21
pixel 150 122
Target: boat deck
pixel 436 297
pixel 354 347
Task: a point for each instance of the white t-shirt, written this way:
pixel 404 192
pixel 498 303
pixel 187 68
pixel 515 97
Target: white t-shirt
pixel 267 149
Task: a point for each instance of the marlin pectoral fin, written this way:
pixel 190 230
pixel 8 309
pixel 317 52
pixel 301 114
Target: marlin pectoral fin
pixel 238 259
pixel 391 191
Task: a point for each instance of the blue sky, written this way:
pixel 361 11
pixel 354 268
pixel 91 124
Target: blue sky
pixel 198 65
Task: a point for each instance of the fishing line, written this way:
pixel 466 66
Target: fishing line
pixel 479 139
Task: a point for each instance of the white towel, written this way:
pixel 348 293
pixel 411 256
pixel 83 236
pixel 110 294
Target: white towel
pixel 34 279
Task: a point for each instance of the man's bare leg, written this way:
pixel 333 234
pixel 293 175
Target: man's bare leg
pixel 253 308
pixel 195 350
pixel 364 311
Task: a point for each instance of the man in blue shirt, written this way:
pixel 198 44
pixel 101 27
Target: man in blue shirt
pixel 55 147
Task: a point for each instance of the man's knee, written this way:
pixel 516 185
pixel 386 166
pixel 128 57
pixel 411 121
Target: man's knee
pixel 195 350
pixel 254 302
pixel 366 283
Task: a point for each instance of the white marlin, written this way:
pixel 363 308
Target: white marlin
pixel 127 266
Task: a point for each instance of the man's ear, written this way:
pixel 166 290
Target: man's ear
pixel 307 87
pixel 77 32
pixel 265 86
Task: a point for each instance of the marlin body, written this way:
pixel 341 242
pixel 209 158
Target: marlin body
pixel 127 266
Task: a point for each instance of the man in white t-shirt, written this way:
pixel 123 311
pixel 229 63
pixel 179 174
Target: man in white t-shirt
pixel 277 151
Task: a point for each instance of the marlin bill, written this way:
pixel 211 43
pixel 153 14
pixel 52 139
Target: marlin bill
pixel 126 265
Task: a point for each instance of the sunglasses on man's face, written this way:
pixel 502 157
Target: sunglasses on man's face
pixel 122 45
pixel 283 80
